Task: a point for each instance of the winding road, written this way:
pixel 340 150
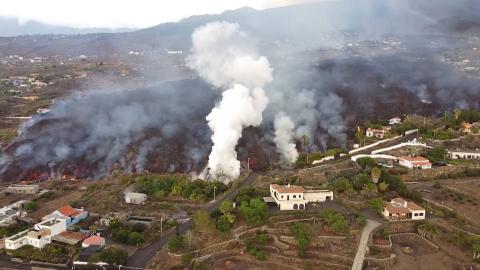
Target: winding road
pixel 143 255
pixel 362 245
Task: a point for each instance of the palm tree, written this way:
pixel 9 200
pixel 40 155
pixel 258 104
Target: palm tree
pixel 428 230
pixel 369 190
pixel 383 187
pixel 375 173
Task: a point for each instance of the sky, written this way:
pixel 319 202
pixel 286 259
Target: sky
pixel 121 13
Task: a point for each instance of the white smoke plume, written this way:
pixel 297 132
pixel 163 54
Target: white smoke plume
pixel 222 54
pixel 283 139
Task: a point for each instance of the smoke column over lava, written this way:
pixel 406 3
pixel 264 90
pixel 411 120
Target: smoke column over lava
pixel 284 137
pixel 223 56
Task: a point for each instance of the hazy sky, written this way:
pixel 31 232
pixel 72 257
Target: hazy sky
pixel 121 13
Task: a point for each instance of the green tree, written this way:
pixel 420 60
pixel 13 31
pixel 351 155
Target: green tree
pixel 31 206
pixel 226 207
pixel 335 221
pixel 360 180
pixel 110 255
pixel 383 187
pixel 376 205
pixel 135 238
pixel 176 243
pixel 223 224
pixel 437 154
pixel 366 163
pixel 302 235
pixel 203 223
pixel 254 212
pixel 369 190
pixel 341 185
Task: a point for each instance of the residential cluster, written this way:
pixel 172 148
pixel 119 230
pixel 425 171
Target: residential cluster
pixel 54 226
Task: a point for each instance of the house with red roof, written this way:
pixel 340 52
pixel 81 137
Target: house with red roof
pixel 93 240
pixel 414 162
pixel 401 209
pixel 70 214
pixel 291 197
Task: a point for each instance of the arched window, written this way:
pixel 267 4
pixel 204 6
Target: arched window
pixel 301 206
pixel 288 197
pixel 295 206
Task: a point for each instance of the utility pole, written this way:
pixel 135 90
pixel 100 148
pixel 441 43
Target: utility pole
pixel 161 226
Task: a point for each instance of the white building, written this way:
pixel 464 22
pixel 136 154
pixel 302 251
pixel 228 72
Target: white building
pixel 464 154
pixel 40 235
pixel 292 197
pixel 377 133
pixel 414 162
pixel 23 189
pixel 10 213
pixel 69 214
pixel 394 121
pixel 400 209
pixel 135 198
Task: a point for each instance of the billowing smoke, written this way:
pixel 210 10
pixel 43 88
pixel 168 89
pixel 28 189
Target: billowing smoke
pixel 89 134
pixel 223 55
pixel 284 137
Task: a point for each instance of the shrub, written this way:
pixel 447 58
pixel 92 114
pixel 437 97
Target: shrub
pixel 366 163
pixel 376 205
pixel 31 206
pixel 111 255
pixel 335 221
pixel 254 212
pixel 176 243
pixel 187 259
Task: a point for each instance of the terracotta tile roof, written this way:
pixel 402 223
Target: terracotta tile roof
pixel 396 210
pixel 288 189
pixel 94 240
pixel 69 211
pixel 414 207
pixel 417 160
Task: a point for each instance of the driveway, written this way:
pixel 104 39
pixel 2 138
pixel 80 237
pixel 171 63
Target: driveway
pixel 362 246
pixel 142 256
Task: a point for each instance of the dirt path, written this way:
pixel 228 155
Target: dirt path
pixel 362 245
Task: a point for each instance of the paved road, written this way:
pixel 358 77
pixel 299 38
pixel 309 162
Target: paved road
pixel 362 246
pixel 142 256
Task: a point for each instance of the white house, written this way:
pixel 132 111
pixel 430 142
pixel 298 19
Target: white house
pixel 292 197
pixel 69 214
pixel 23 189
pixel 400 209
pixel 10 213
pixel 40 235
pixel 464 154
pixel 135 198
pixel 394 121
pixel 414 162
pixel 377 133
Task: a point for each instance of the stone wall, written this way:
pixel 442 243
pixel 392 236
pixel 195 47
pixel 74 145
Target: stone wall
pixel 385 263
pixel 402 227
